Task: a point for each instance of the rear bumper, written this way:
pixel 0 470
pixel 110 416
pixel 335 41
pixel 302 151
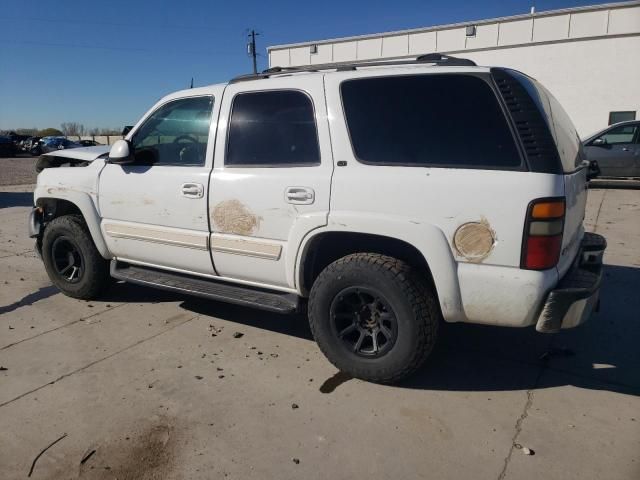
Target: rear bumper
pixel 577 294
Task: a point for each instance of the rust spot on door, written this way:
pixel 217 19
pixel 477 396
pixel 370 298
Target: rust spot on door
pixel 474 240
pixel 231 216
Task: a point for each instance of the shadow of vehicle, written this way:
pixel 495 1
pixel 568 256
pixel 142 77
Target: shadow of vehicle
pixel 16 199
pixel 603 354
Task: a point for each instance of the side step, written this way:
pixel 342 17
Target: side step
pixel 214 289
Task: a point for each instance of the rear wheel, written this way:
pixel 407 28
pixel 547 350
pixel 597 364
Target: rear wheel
pixel 373 317
pixel 72 260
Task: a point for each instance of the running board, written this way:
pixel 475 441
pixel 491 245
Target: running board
pixel 273 301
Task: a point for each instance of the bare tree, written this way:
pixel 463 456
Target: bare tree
pixel 72 128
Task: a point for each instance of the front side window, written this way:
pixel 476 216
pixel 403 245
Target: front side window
pixel 175 134
pixel 272 129
pixel 428 120
pixel 621 134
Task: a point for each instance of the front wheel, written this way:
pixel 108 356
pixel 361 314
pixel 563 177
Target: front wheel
pixel 373 317
pixel 72 260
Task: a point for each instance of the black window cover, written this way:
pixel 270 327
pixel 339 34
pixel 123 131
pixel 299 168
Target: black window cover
pixel 272 128
pixel 428 120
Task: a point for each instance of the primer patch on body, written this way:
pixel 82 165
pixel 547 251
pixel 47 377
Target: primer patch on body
pixel 474 240
pixel 231 216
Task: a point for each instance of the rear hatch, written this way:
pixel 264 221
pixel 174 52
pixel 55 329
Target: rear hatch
pixel 552 146
pixel 575 175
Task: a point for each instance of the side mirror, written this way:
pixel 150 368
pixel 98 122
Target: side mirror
pixel 598 142
pixel 120 153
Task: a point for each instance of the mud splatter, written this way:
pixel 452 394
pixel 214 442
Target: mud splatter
pixel 231 216
pixel 474 240
pixel 149 454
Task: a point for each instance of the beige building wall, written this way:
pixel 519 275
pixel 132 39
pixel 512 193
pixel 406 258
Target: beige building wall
pixel 588 57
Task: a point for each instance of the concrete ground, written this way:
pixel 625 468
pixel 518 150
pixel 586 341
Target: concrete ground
pixel 18 170
pixel 145 384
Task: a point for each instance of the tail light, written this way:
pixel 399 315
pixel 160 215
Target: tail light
pixel 543 228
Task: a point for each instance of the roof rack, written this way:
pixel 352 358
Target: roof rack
pixel 435 58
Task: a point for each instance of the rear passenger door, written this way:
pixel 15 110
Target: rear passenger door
pixel 271 180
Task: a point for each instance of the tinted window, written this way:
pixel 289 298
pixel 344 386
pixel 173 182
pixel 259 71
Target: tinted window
pixel 434 120
pixel 175 134
pixel 275 128
pixel 564 132
pixel 621 134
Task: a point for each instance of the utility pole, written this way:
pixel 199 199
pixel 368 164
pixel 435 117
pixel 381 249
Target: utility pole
pixel 251 49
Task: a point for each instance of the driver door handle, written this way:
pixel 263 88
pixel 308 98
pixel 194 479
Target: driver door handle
pixel 192 190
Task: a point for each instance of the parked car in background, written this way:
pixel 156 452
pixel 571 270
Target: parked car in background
pixel 7 147
pixel 58 143
pixel 616 149
pixel 88 143
pixel 29 143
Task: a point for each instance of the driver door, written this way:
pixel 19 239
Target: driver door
pixel 154 210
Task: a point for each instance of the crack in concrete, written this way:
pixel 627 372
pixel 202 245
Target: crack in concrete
pixel 61 326
pixel 519 422
pixel 95 362
pixel 595 223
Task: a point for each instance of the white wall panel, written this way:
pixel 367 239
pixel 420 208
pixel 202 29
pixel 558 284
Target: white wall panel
pixel 451 40
pixel 550 28
pixel 324 55
pixel 300 56
pixel 588 24
pixel 624 20
pixel 486 36
pixel 369 49
pixel 518 31
pixel 395 46
pixel 344 51
pixel 424 42
pixel 279 58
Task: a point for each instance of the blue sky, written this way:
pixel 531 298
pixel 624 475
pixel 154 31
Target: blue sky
pixel 104 64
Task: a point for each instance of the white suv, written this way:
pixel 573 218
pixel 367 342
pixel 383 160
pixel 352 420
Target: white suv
pixel 385 196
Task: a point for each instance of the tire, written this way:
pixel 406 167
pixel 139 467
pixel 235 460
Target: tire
pixel 91 275
pixel 378 289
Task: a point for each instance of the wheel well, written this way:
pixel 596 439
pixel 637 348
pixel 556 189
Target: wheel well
pixel 328 247
pixel 56 207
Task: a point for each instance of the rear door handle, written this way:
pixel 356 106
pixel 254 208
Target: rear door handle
pixel 192 190
pixel 300 195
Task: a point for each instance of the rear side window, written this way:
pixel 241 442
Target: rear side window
pixel 428 120
pixel 565 134
pixel 271 129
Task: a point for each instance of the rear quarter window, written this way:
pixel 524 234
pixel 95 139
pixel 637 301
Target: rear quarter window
pixel 438 120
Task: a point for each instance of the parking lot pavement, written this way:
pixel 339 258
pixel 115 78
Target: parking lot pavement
pixel 18 171
pixel 147 384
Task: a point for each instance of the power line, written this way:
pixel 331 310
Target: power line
pixel 107 24
pixel 119 49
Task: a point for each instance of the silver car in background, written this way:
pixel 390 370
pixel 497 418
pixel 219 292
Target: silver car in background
pixel 616 149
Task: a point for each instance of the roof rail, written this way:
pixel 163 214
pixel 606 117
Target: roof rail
pixel 435 58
